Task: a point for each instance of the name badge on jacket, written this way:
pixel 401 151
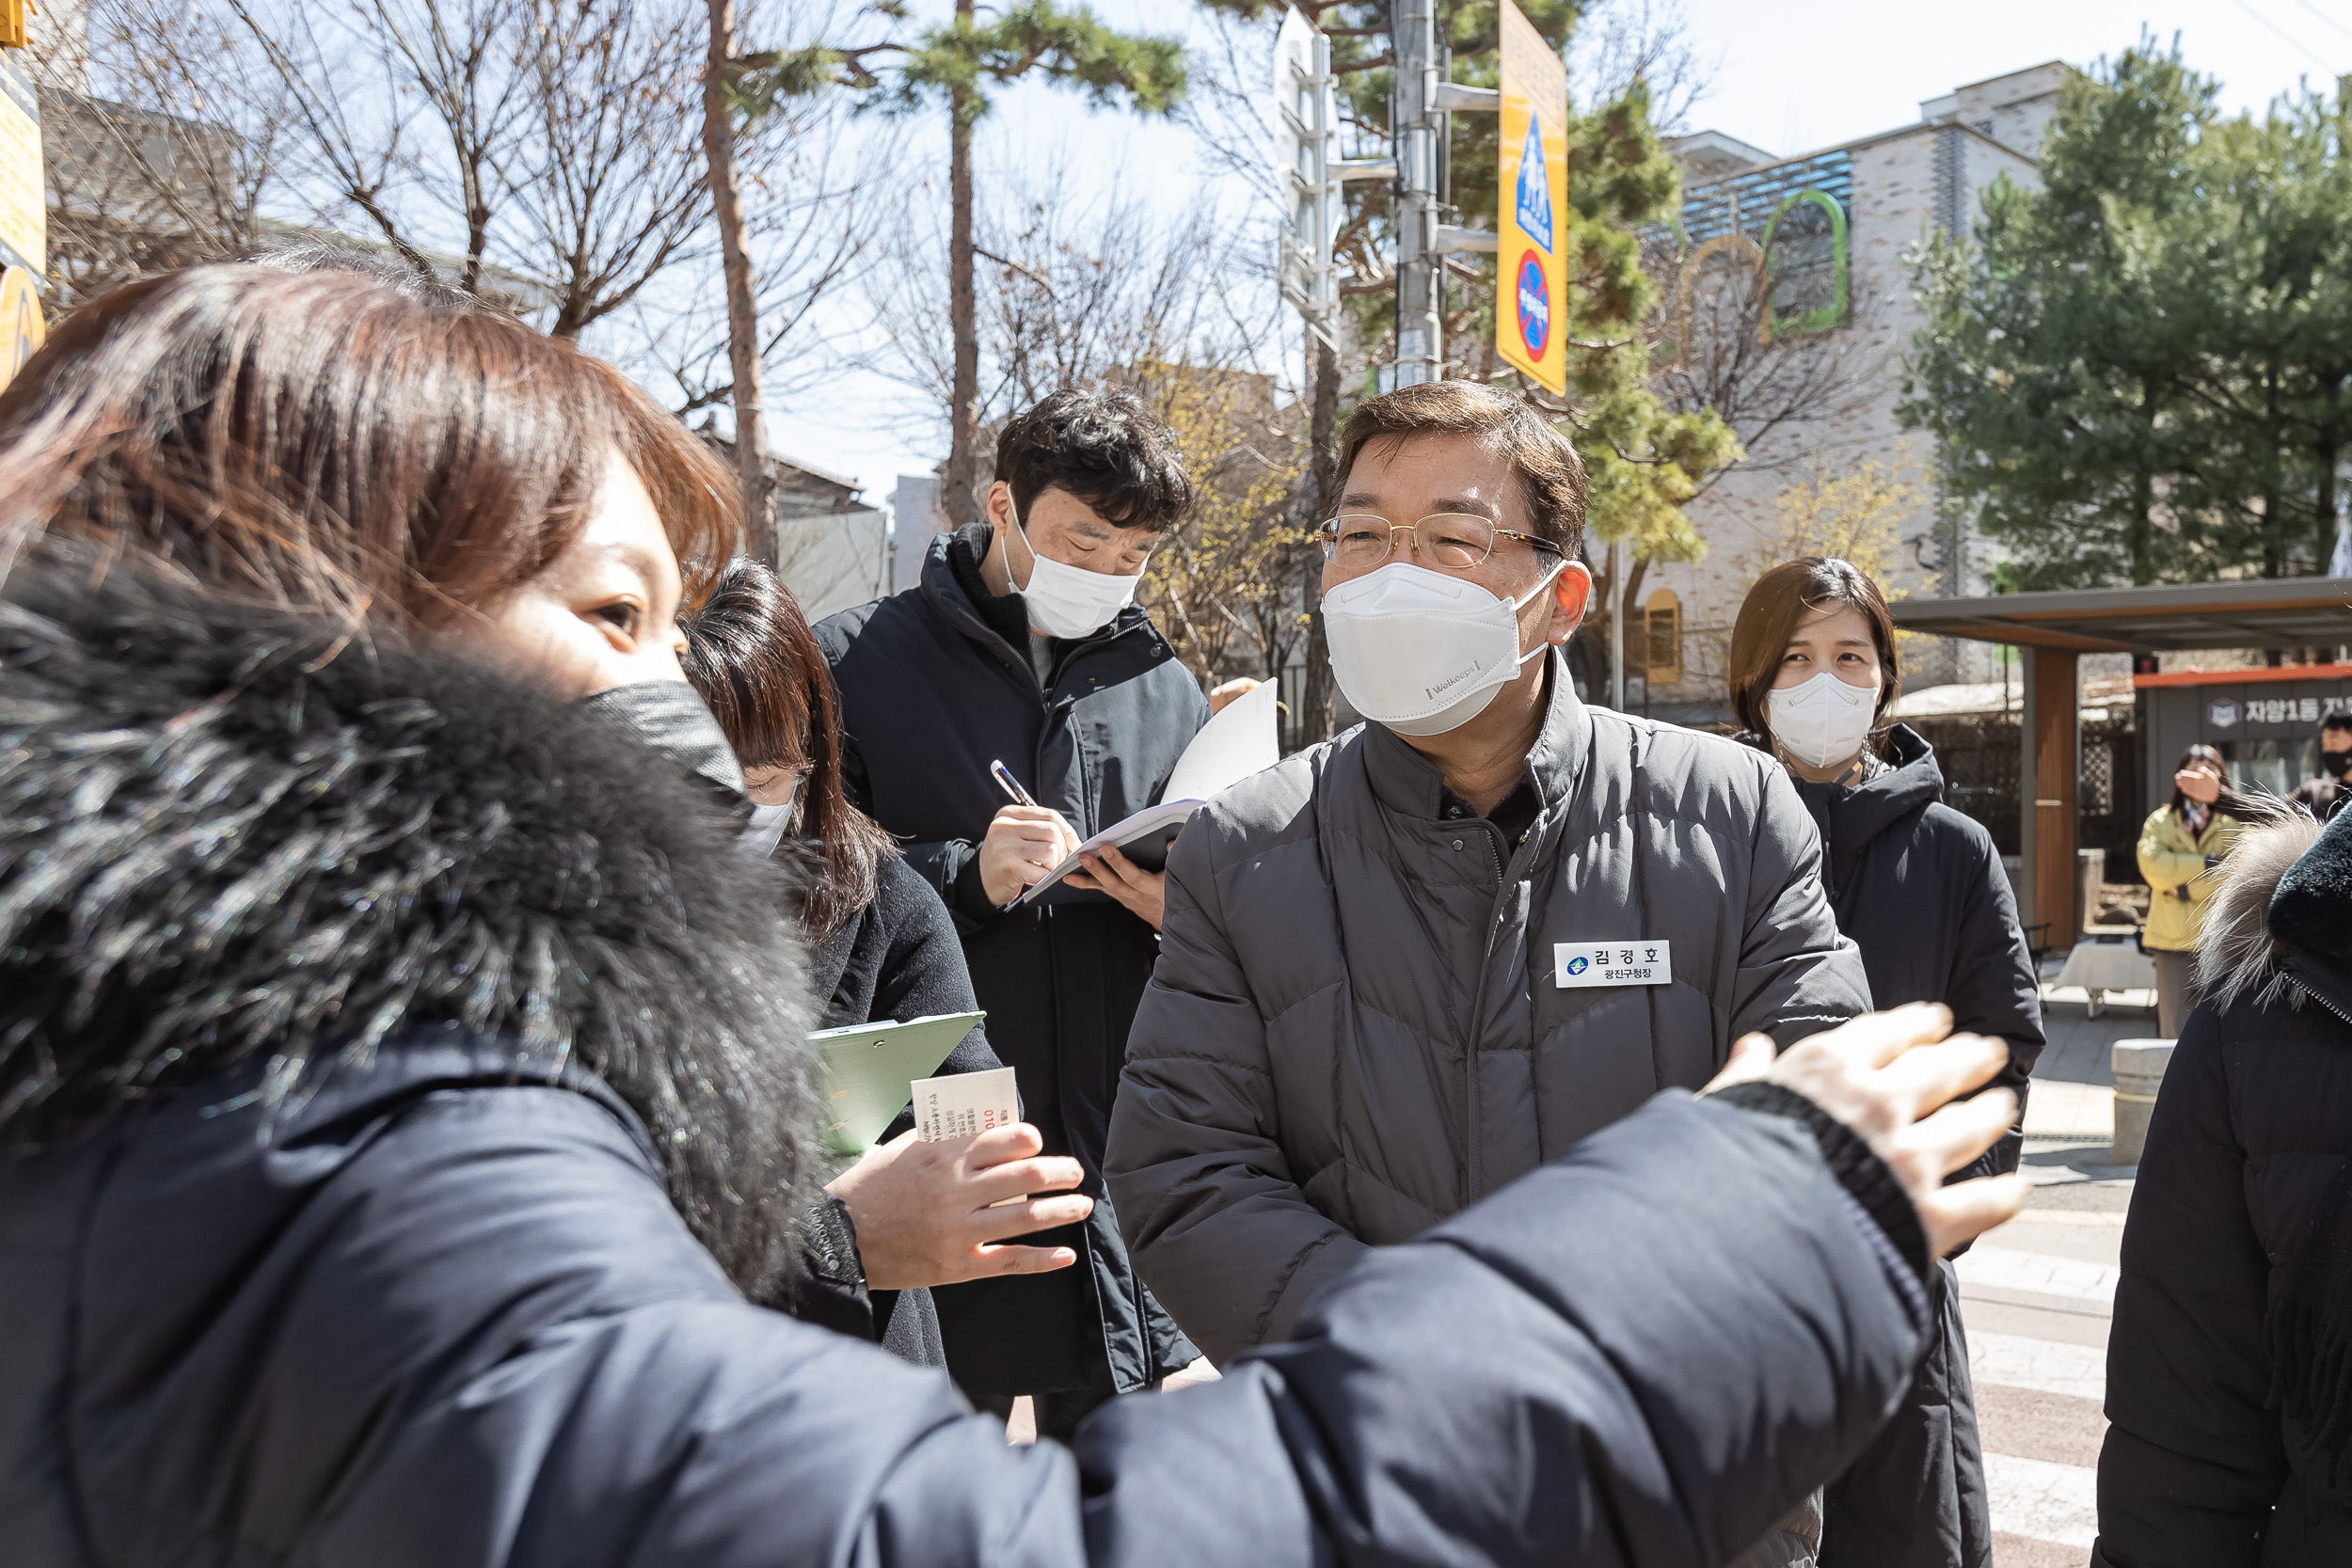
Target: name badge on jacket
pixel 1611 963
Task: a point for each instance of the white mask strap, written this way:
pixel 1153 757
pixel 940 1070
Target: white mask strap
pixel 1013 511
pixel 1521 603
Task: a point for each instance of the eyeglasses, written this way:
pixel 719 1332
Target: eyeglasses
pixel 1457 541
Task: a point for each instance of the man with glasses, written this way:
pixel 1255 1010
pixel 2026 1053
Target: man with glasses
pixel 1402 968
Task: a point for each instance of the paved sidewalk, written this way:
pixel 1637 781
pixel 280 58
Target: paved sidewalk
pixel 2038 1293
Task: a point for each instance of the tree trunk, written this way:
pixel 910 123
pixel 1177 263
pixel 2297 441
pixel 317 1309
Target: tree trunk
pixel 751 427
pixel 2328 454
pixel 1315 716
pixel 955 498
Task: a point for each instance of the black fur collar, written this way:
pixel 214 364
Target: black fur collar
pixel 225 837
pixel 2311 910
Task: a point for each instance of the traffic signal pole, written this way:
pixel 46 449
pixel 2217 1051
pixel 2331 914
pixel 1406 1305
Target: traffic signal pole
pixel 1418 118
pixel 1416 124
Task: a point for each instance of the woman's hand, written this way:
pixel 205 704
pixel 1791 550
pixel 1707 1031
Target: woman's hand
pixel 923 1216
pixel 1144 893
pixel 2200 784
pixel 1885 1076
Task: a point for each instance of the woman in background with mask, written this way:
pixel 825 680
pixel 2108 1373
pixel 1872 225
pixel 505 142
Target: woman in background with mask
pixel 1919 888
pixel 2182 840
pixel 881 947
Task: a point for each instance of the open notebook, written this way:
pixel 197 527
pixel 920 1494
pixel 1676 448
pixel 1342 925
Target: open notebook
pixel 1238 742
pixel 868 1073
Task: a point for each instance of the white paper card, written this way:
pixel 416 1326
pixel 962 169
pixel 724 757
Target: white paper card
pixel 1643 962
pixel 1241 739
pixel 964 1103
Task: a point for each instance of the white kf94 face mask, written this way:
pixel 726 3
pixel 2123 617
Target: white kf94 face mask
pixel 1069 601
pixel 1424 652
pixel 1824 720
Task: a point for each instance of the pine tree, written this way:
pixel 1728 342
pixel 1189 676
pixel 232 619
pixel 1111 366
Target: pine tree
pixel 2138 373
pixel 960 65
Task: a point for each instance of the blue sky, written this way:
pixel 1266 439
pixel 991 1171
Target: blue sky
pixel 1788 78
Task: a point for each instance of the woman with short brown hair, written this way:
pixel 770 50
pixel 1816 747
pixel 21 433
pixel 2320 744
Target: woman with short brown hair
pixel 1919 888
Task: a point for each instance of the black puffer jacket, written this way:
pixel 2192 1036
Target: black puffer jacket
pixel 1919 888
pixel 376 1039
pixel 932 692
pixel 2201 1470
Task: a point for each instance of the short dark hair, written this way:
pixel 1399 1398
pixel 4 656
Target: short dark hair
pixel 1101 445
pixel 1552 475
pixel 2335 719
pixel 751 654
pixel 1773 609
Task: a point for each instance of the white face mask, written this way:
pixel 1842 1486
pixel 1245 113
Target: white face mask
pixel 1823 721
pixel 765 830
pixel 1424 652
pixel 1069 601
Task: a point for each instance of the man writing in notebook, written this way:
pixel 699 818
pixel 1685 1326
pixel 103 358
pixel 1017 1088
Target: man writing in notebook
pixel 1402 968
pixel 1022 643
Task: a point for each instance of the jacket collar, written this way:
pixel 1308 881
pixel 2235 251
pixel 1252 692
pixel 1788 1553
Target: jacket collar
pixel 1409 784
pixel 1850 816
pixel 945 593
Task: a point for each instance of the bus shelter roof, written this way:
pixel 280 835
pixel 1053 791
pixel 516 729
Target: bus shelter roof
pixel 2262 613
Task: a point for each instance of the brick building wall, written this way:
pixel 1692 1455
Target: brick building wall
pixel 1896 188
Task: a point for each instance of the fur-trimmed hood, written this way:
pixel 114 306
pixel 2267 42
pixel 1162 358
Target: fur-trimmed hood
pixel 232 838
pixel 2279 923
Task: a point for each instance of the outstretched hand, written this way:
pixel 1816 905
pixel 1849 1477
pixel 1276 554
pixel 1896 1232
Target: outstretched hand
pixel 1886 1076
pixel 924 1214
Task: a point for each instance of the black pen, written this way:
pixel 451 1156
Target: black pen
pixel 1011 785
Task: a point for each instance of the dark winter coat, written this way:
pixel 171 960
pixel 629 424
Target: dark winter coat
pixel 1355 1029
pixel 374 1036
pixel 2322 797
pixel 1920 890
pixel 932 692
pixel 900 959
pixel 2201 1470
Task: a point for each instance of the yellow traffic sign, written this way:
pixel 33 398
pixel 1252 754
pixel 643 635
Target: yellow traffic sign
pixel 1533 204
pixel 22 329
pixel 23 212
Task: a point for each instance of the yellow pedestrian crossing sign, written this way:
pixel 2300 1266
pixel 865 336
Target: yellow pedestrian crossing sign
pixel 1532 200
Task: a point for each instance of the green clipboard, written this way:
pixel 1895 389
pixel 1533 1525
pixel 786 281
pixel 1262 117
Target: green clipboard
pixel 866 1072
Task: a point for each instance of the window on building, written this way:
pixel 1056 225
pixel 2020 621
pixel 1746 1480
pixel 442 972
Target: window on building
pixel 1804 257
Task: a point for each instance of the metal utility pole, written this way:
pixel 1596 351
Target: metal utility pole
pixel 1616 631
pixel 1418 111
pixel 1416 124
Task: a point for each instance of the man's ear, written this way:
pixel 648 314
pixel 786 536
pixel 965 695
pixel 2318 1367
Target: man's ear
pixel 1571 596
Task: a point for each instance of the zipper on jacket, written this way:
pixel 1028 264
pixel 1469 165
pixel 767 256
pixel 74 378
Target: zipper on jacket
pixel 2316 997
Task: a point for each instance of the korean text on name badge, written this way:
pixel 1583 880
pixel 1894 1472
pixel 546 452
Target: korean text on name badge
pixel 1611 963
pixel 965 1103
